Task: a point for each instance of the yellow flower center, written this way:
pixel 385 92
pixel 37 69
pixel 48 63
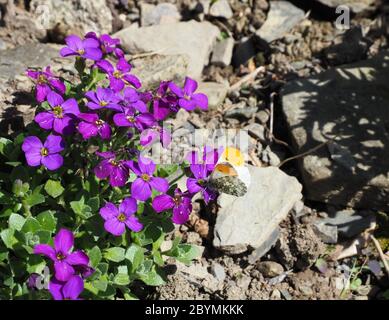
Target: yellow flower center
pixel 117 74
pixel 81 52
pixel 177 200
pixel 99 123
pixel 114 163
pixel 103 103
pixel 60 256
pixel 44 152
pixel 145 177
pixel 130 119
pixel 42 79
pixel 58 112
pixel 122 217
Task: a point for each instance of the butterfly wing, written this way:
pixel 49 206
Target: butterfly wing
pixel 225 178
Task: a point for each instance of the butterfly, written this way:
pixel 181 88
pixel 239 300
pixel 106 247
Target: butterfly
pixel 230 175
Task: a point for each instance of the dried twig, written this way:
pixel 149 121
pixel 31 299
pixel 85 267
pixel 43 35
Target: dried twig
pixel 381 253
pixel 301 155
pixel 249 77
pixel 272 95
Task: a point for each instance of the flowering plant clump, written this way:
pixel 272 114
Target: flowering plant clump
pixel 88 213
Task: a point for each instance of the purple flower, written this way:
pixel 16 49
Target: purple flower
pixel 200 182
pixel 61 255
pixel 181 203
pixel 116 219
pixel 120 76
pixel 163 101
pixel 61 117
pixel 66 290
pixel 187 98
pixel 150 136
pixel 107 44
pixel 91 126
pixel 88 48
pixel 142 186
pixel 210 157
pixel 46 154
pixel 132 99
pixel 116 170
pixel 46 82
pixel 129 118
pixel 103 98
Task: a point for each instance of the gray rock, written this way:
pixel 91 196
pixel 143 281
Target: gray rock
pixel 221 9
pixel 153 69
pixel 327 233
pixel 257 131
pixel 270 197
pixel 216 93
pixel 159 14
pixel 259 252
pixel 241 110
pixel 222 52
pixel 349 223
pixel 355 6
pixel 270 269
pixel 263 116
pixel 218 272
pixel 282 17
pixel 195 39
pixel 74 16
pixel 268 156
pixel 348 104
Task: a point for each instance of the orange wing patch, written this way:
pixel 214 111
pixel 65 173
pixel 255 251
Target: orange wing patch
pixel 226 169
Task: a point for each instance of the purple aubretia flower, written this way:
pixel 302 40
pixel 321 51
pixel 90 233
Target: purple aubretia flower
pixel 103 98
pixel 120 76
pixel 163 101
pixel 61 117
pixel 132 99
pixel 181 203
pixel 110 167
pixel 188 99
pixel 68 290
pixel 116 219
pixel 46 154
pixel 107 44
pixel 91 126
pixel 61 255
pixel 199 182
pixel 88 48
pixel 46 82
pixel 142 186
pixel 129 118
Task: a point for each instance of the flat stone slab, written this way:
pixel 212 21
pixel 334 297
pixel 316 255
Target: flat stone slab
pixel 350 105
pixel 249 221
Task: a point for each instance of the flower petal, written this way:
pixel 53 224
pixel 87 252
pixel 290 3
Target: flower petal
pixel 176 89
pixel 87 130
pixel 103 169
pixel 159 184
pixel 118 176
pixel 121 120
pixel 32 143
pixel 45 120
pixel 146 165
pixel 55 288
pixel 128 206
pixel 63 270
pixel 201 100
pixel 193 186
pixel 52 161
pixel 54 144
pixel 54 99
pixel 63 241
pixel 41 92
pixel 140 190
pixel 71 106
pixel 134 224
pixel 77 258
pixel 46 250
pixel 115 227
pixel 105 131
pixel 73 288
pixel 163 203
pixel 190 86
pixel 109 211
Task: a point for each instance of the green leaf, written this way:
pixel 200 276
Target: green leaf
pixel 94 204
pixel 184 253
pixel 153 278
pixel 135 255
pixel 115 254
pixel 19 188
pixel 31 225
pixel 47 220
pixel 54 188
pixel 122 279
pixel 8 237
pixel 35 197
pixel 16 221
pixel 5 145
pixel 95 256
pixel 81 209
